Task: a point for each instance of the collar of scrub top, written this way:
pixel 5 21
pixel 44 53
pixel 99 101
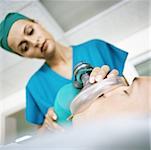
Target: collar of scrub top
pixel 5 27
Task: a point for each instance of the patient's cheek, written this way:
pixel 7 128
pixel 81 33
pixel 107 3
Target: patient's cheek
pixel 92 113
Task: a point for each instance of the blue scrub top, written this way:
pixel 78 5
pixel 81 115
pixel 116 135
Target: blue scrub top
pixel 43 86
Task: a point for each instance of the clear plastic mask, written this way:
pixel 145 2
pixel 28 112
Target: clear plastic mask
pixel 89 94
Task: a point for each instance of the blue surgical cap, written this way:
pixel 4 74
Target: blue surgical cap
pixel 5 27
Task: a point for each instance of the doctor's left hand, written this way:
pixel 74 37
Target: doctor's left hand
pixel 100 73
pixel 50 121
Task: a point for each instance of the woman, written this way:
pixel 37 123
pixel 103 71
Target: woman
pixel 27 38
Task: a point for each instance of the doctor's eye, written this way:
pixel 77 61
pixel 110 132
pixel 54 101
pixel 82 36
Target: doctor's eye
pixel 24 47
pixel 29 30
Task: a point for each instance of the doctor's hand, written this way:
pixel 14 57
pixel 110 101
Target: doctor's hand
pixel 50 121
pixel 99 74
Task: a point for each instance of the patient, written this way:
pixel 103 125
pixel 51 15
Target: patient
pixel 122 100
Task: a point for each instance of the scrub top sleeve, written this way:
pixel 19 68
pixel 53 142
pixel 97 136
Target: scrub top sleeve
pixel 33 114
pixel 115 57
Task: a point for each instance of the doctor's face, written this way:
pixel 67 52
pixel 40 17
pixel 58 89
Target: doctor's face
pixel 30 39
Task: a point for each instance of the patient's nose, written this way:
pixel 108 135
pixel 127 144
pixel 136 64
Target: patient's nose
pixel 36 42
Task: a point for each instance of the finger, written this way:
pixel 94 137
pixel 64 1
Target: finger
pixel 57 127
pixel 113 73
pixel 94 72
pixel 49 128
pixel 51 114
pixel 48 121
pixel 52 126
pixel 103 73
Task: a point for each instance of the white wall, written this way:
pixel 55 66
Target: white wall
pixel 137 43
pixel 114 24
pixel 10 105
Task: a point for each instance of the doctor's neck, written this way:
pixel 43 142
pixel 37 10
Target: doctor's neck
pixel 61 55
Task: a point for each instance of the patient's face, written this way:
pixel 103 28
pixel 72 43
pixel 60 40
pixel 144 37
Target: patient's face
pixel 126 100
pixel 138 90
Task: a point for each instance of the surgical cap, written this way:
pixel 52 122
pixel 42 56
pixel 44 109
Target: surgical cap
pixel 5 27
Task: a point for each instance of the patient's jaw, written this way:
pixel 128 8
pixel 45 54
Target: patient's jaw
pixel 123 100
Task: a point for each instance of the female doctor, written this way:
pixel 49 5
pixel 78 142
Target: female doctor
pixel 27 38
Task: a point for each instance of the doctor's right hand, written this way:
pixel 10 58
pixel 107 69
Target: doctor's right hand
pixel 100 73
pixel 50 121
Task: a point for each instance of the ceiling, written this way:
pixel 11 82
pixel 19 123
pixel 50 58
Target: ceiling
pixel 70 13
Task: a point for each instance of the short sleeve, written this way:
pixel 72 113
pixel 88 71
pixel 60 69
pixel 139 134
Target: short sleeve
pixel 33 113
pixel 112 56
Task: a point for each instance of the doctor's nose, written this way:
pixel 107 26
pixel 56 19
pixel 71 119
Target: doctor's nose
pixel 37 42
